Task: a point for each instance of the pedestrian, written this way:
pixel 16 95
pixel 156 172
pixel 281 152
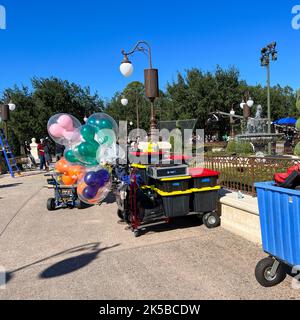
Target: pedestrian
pixel 28 153
pixel 41 153
pixel 59 151
pixel 47 150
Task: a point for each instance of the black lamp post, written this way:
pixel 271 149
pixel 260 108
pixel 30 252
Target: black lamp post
pixel 5 115
pixel 150 74
pixel 246 106
pixel 267 53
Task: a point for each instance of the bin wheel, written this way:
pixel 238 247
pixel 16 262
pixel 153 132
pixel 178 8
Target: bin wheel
pixel 51 206
pixel 212 220
pixel 120 214
pixel 263 273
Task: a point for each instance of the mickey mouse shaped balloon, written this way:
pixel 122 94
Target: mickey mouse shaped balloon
pixel 64 129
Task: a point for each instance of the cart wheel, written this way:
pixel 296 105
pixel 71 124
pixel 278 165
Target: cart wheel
pixel 263 273
pixel 120 214
pixel 136 233
pixel 51 206
pixel 212 220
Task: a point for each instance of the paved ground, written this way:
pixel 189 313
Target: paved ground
pixel 72 254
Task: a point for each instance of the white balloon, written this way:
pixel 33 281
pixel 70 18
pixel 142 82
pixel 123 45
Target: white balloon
pixel 110 154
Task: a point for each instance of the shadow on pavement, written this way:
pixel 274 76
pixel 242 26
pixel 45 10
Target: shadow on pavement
pixel 10 185
pixel 224 192
pixel 178 223
pixel 111 198
pixel 73 264
pixel 89 251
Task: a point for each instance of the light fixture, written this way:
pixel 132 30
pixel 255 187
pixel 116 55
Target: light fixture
pixel 131 123
pixel 124 102
pixel 232 112
pixel 12 106
pixel 250 103
pixel 126 67
pixel 85 119
pixel 274 56
pixel 242 105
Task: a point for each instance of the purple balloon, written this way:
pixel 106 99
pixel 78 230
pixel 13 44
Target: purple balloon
pixel 103 175
pixel 90 192
pixel 100 182
pixel 91 179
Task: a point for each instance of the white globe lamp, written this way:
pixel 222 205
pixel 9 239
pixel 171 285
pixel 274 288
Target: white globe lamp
pixel 250 103
pixel 124 102
pixel 126 67
pixel 12 106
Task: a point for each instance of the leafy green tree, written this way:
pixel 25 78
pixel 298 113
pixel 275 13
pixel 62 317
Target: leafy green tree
pixel 47 97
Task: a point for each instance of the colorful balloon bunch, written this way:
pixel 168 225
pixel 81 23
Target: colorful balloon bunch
pixel 69 174
pixel 64 129
pixel 91 146
pixel 95 186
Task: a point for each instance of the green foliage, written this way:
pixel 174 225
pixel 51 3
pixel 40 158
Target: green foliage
pixel 298 100
pixel 298 125
pixel 193 95
pixel 47 97
pixel 239 148
pixel 297 150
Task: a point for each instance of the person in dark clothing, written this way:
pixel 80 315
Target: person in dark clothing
pixel 47 150
pixel 59 151
pixel 41 153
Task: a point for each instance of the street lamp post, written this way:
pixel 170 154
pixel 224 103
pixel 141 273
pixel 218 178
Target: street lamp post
pixel 124 103
pixel 246 105
pixel 267 53
pixel 5 115
pixel 232 122
pixel 150 75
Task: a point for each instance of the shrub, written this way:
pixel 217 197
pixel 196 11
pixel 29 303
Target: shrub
pixel 240 148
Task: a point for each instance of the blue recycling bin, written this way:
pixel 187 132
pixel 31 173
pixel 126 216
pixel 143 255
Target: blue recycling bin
pixel 279 211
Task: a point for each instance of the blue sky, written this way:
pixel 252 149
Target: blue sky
pixel 81 41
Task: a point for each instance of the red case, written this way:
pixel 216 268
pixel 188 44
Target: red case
pixel 201 173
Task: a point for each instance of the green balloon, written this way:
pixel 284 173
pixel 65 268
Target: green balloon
pixel 105 124
pixel 105 138
pixel 70 156
pixel 92 122
pixel 88 132
pixel 88 149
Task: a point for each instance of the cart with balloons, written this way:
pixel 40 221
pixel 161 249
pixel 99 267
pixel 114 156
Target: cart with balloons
pixel 83 176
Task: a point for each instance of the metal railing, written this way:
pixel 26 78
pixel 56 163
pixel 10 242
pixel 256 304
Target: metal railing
pixel 241 173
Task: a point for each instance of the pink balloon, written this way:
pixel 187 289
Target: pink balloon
pixel 72 136
pixel 66 122
pixel 56 131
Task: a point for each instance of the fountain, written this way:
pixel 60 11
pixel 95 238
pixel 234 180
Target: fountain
pixel 255 131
